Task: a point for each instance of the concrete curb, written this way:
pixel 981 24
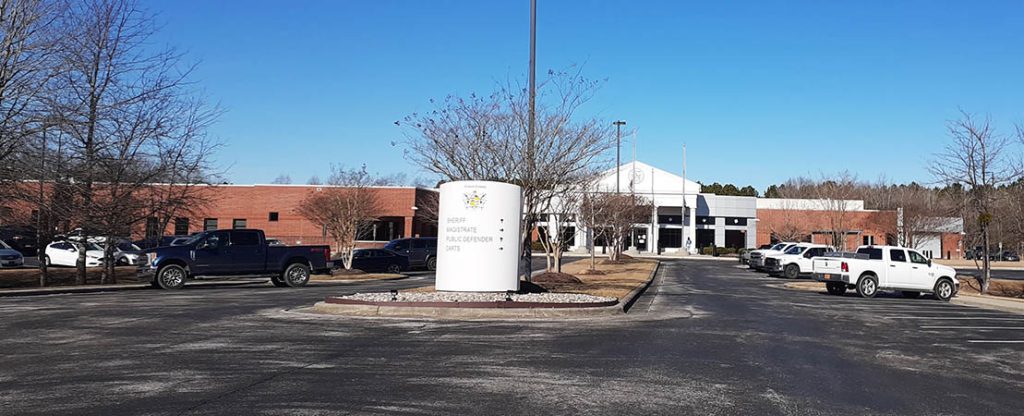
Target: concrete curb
pixel 990 302
pixel 330 282
pixel 377 311
pixel 630 299
pixel 63 290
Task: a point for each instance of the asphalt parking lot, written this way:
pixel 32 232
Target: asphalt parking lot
pixel 707 338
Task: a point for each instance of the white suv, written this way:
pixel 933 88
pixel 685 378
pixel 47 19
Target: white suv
pixel 796 260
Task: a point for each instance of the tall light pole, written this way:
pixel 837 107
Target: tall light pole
pixel 527 252
pixel 618 162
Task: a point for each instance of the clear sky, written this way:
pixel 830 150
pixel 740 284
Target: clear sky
pixel 760 91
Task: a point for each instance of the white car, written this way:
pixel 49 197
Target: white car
pixel 65 253
pixel 127 254
pixel 10 257
pixel 757 257
pixel 886 268
pixel 796 260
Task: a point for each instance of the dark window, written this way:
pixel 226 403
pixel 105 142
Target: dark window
pixel 705 220
pixel 273 217
pixel 221 239
pixel 419 244
pixel 209 224
pixel 245 238
pixel 873 253
pixel 669 219
pixel 735 221
pixel 152 227
pixel 238 223
pixel 432 243
pixel 400 245
pixel 869 240
pixel 898 255
pixel 181 226
pixel 915 257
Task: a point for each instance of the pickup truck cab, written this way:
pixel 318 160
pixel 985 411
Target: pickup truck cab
pixel 757 257
pixel 877 268
pixel 225 253
pixel 796 260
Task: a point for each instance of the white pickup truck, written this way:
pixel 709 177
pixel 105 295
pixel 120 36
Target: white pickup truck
pixel 796 260
pixel 877 268
pixel 757 256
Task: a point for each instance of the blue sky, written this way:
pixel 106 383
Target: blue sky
pixel 760 91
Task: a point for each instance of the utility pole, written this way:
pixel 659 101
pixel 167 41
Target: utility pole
pixel 527 251
pixel 618 160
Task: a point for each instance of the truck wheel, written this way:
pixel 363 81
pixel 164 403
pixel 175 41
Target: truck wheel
pixel 276 280
pixel 910 294
pixel 432 264
pixel 792 271
pixel 171 277
pixel 835 288
pixel 867 286
pixel 296 275
pixel 944 290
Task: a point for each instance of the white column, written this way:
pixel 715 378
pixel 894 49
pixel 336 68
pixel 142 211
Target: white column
pixel 691 233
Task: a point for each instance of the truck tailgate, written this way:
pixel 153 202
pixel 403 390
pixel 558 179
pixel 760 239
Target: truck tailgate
pixel 827 265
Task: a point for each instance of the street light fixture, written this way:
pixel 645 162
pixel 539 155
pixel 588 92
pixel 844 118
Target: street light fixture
pixel 618 162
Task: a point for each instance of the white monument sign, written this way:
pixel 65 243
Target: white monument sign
pixel 478 237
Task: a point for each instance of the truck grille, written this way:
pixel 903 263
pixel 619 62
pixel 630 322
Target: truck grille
pixel 771 262
pixel 755 255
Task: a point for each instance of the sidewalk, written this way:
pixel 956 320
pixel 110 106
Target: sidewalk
pixel 969 264
pixel 990 302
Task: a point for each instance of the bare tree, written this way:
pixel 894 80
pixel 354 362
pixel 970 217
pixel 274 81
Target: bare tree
pixel 485 138
pixel 27 36
pixel 347 208
pixel 835 194
pixel 314 180
pixel 282 179
pixel 621 213
pixel 981 160
pixel 128 114
pixel 558 213
pixel 591 217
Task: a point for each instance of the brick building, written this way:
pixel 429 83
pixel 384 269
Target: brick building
pixel 273 209
pixel 812 221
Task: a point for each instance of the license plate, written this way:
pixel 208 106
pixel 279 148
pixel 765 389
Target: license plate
pixel 826 276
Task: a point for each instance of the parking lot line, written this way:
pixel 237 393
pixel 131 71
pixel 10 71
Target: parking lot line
pixel 956 318
pixel 971 327
pixel 996 341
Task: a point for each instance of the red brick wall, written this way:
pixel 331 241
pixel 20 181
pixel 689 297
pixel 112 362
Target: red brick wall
pixel 878 224
pixel 951 245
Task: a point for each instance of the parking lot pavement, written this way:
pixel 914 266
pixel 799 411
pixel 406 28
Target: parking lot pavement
pixel 707 338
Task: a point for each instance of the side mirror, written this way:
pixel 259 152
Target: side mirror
pixel 929 262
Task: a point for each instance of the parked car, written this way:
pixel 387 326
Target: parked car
pixel 20 238
pixel 10 257
pixel 379 260
pixel 65 253
pixel 421 251
pixel 127 254
pixel 796 260
pixel 225 253
pixel 757 256
pixel 164 241
pixel 1010 256
pixel 886 268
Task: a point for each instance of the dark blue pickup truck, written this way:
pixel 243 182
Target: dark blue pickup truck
pixel 225 253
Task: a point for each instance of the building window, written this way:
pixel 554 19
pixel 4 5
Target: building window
pixel 385 229
pixel 152 227
pixel 181 226
pixel 209 224
pixel 238 223
pixel 869 240
pixel 735 221
pixel 273 217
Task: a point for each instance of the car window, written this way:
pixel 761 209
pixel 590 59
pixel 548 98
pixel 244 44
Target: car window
pixel 916 257
pixel 245 238
pixel 385 253
pixel 219 239
pixel 419 244
pixel 399 245
pixel 795 250
pixel 898 255
pixel 873 253
pixel 358 254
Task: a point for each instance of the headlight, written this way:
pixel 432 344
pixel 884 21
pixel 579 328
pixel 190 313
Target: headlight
pixel 151 258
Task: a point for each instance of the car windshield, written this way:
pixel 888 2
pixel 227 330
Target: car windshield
pixel 93 246
pixel 4 245
pixel 126 246
pixel 796 250
pixel 193 238
pixel 778 247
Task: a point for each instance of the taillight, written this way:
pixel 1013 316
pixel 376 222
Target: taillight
pixel 845 267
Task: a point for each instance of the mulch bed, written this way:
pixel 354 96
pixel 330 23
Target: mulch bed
pixel 997 287
pixel 60 276
pixel 554 277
